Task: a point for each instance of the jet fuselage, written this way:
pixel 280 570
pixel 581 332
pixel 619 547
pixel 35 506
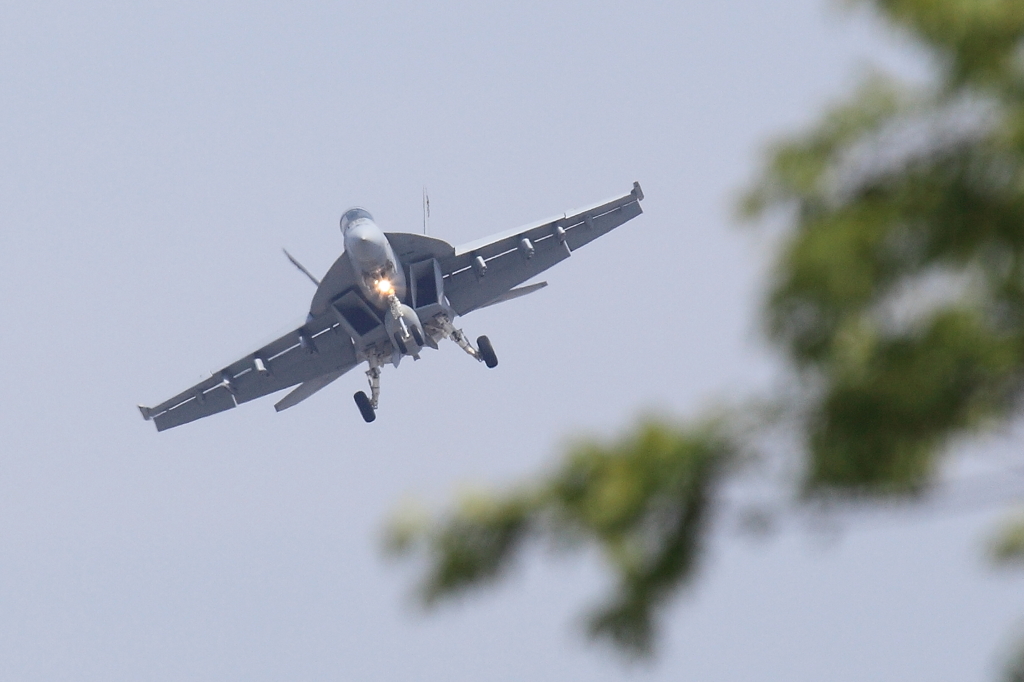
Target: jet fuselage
pixel 382 279
pixel 380 273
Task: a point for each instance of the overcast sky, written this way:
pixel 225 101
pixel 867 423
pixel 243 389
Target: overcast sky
pixel 154 159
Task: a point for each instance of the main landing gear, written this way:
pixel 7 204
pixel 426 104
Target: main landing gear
pixel 484 352
pixel 365 408
pixel 368 406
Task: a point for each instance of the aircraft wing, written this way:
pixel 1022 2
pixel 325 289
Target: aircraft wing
pixel 480 273
pixel 306 354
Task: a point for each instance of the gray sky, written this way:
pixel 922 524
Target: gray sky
pixel 154 159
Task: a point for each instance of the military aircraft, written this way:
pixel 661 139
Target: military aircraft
pixel 391 295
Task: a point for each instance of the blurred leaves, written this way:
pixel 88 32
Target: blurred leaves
pixel 1008 545
pixel 898 294
pixel 977 40
pixel 472 546
pixel 897 299
pixel 643 500
pixel 1014 671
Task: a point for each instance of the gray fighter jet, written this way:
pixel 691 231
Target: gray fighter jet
pixel 390 295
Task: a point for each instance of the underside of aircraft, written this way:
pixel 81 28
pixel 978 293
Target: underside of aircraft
pixel 391 295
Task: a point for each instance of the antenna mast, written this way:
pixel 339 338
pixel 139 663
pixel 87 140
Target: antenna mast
pixel 426 209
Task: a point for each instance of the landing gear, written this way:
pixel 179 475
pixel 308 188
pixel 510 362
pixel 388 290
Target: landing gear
pixel 484 352
pixel 368 405
pixel 400 345
pixel 456 335
pixel 487 352
pixel 365 408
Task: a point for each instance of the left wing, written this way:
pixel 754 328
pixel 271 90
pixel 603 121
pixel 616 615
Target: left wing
pixel 482 272
pixel 299 356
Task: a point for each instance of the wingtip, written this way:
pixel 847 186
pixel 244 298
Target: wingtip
pixel 637 191
pixel 147 413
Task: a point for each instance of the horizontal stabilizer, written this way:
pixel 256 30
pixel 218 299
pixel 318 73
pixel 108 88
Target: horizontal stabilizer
pixel 306 389
pixel 516 293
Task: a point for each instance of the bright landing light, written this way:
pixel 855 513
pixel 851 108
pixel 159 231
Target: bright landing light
pixel 384 286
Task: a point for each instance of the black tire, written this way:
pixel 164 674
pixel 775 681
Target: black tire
pixel 487 352
pixel 417 336
pixel 365 408
pixel 400 345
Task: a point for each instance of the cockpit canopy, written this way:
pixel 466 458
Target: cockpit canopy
pixel 354 215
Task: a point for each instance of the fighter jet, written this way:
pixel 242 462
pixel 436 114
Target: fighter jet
pixel 391 295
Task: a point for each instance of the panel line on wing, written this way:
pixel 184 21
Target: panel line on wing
pixel 286 350
pixel 571 223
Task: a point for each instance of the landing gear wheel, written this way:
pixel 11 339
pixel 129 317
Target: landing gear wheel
pixel 417 337
pixel 365 408
pixel 400 345
pixel 487 352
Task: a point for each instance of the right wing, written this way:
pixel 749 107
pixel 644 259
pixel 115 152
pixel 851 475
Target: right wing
pixel 507 260
pixel 297 357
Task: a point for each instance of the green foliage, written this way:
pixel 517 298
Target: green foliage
pixel 473 545
pixel 977 40
pixel 896 196
pixel 1008 546
pixel 1014 671
pixel 643 500
pixel 880 423
pixel 897 298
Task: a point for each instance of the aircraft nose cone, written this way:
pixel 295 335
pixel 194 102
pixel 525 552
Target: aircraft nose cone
pixel 366 246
